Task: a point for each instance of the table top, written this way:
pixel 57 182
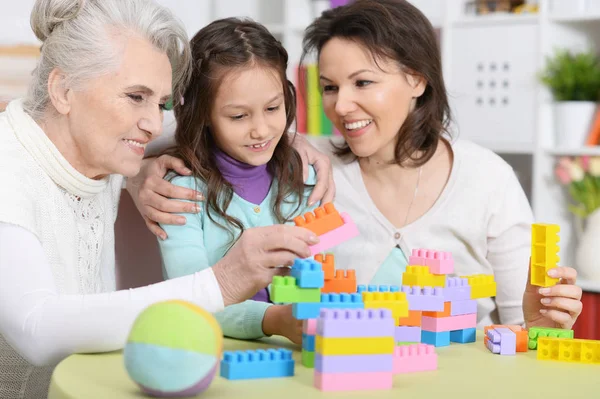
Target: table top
pixel 464 371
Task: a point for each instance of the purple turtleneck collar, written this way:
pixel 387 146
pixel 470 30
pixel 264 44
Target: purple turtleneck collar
pixel 252 183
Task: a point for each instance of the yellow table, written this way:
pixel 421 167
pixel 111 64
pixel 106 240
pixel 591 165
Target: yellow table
pixel 465 371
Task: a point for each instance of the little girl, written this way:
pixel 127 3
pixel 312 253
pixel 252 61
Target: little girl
pixel 231 132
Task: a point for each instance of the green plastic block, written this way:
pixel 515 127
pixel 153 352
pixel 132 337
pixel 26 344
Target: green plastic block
pixel 537 332
pixel 308 359
pixel 285 290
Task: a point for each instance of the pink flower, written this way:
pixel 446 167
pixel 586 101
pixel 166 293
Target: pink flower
pixel 585 162
pixel 562 175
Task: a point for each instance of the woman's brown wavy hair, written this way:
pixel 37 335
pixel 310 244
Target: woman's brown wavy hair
pixel 394 29
pixel 222 47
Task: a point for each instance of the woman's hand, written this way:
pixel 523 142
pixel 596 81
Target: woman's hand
pixel 257 256
pixel 557 306
pixel 279 320
pixel 151 194
pixel 324 190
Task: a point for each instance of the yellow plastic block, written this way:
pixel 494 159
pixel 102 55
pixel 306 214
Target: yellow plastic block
pixel 569 350
pixel 544 249
pixel 438 280
pixel 355 346
pixel 417 275
pixel 394 301
pixel 482 285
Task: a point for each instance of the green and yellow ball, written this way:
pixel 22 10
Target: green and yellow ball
pixel 173 349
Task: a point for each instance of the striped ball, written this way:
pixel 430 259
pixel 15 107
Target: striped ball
pixel 173 349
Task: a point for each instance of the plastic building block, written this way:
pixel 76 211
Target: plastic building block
pixel 458 308
pixel 394 301
pixel 457 289
pixel 308 342
pixel 436 339
pixel 452 323
pixel 260 363
pixel 502 340
pixel 308 359
pixel 345 323
pixel 355 346
pixel 353 381
pixel 309 326
pixel 344 281
pixel 354 363
pixel 464 336
pixel 439 262
pixel 377 288
pixel 407 334
pixel 308 273
pixel 426 298
pixel 324 219
pixel 421 277
pixel 537 332
pixel 520 332
pixel 335 237
pixel 328 264
pixel 445 313
pixel 569 350
pixel 413 319
pixel 303 311
pixel 285 290
pixel 482 285
pixel 544 249
pixel 415 358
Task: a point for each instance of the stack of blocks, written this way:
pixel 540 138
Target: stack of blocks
pixel 505 340
pixel 332 227
pixel 544 249
pixel 453 313
pixel 559 344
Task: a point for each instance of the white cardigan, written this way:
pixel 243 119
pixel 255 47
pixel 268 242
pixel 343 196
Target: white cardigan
pixel 482 217
pixel 57 262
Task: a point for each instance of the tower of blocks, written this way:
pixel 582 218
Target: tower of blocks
pixel 355 350
pixel 544 249
pixel 332 227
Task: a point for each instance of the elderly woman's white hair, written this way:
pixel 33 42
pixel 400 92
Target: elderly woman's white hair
pixel 79 38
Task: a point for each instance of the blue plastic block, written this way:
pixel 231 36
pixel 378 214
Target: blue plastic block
pixel 377 288
pixel 436 339
pixel 308 273
pixel 305 310
pixel 308 342
pixel 260 363
pixel 463 336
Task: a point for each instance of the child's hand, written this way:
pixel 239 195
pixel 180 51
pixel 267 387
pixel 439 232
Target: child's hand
pixel 557 306
pixel 278 320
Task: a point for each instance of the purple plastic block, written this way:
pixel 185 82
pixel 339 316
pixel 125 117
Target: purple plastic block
pixel 508 341
pixel 457 289
pixel 408 334
pixel 494 348
pixel 355 323
pixel 458 308
pixel 353 363
pixel 426 299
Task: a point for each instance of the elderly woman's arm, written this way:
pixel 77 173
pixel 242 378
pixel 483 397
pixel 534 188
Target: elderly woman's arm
pixel 45 327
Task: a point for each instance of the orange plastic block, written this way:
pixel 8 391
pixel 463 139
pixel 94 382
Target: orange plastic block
pixel 324 219
pixel 520 332
pixel 446 313
pixel 413 319
pixel 328 264
pixel 344 281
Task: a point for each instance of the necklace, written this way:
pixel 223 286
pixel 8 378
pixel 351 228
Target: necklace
pixel 414 196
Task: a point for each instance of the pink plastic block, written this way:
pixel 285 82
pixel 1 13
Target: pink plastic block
pixel 414 358
pixel 337 236
pixel 439 262
pixel 505 338
pixel 408 334
pixel 309 326
pixel 458 308
pixel 353 381
pixel 441 324
pixel 457 289
pixel 426 299
pixel 355 323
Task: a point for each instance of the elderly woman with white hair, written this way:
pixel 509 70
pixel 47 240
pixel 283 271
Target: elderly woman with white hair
pixel 108 70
